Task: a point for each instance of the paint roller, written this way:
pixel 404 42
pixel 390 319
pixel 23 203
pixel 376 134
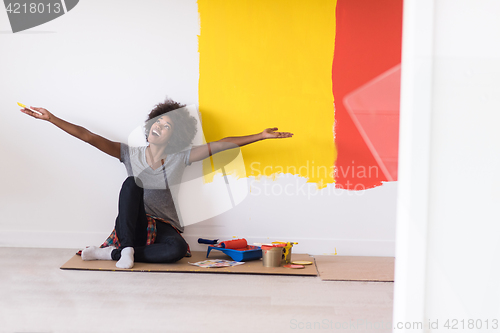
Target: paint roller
pixel 235 244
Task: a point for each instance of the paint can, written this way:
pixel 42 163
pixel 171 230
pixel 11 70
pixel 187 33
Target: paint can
pixel 272 255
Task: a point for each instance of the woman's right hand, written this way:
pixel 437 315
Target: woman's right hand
pixel 45 114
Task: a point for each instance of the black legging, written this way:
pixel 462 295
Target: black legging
pixel 131 229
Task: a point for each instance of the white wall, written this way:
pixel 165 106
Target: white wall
pixel 447 248
pixel 104 65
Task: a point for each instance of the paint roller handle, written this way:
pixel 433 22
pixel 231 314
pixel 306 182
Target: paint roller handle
pixel 207 241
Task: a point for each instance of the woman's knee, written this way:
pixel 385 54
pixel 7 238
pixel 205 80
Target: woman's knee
pixel 132 183
pixel 131 188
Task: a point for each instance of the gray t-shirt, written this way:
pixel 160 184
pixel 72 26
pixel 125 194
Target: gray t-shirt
pixel 160 192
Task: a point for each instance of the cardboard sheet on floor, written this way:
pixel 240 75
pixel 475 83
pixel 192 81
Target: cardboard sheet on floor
pixel 346 268
pixel 250 267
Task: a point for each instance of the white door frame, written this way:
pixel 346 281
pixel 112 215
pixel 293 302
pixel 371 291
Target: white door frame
pixel 414 161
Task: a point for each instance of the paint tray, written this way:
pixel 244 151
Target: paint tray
pixel 248 253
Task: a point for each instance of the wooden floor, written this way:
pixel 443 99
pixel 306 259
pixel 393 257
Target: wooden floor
pixel 37 296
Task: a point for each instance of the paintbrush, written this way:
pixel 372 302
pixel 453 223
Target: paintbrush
pixel 24 106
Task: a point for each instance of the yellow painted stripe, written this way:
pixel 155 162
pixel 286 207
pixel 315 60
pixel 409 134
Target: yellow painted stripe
pixel 267 63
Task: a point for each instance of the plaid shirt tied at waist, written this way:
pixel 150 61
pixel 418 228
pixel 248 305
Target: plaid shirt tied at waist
pixel 113 240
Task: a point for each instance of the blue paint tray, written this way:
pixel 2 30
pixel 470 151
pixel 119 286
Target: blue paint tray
pixel 248 253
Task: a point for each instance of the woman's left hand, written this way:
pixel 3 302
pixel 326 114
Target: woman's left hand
pixel 271 133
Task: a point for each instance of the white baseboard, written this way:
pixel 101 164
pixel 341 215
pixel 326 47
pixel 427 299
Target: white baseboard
pixel 318 246
pixel 51 239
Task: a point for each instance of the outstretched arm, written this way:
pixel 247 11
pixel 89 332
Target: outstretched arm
pixel 109 147
pixel 201 152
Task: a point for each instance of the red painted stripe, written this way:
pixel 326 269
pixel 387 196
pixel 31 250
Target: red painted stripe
pixel 367 44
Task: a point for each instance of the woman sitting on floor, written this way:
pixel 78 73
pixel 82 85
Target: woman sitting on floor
pixel 148 227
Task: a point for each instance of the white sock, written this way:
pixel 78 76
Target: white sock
pixel 126 259
pixel 97 253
